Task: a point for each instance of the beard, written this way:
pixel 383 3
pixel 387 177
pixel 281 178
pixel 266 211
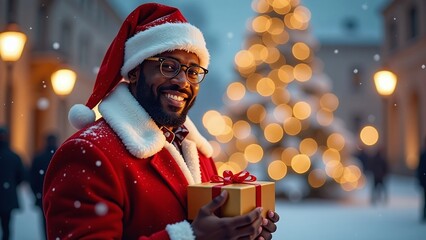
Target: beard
pixel 152 104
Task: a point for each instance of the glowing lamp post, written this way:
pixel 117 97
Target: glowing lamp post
pixel 385 82
pixel 63 82
pixel 12 42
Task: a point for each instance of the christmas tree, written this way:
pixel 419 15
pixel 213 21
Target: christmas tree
pixel 279 116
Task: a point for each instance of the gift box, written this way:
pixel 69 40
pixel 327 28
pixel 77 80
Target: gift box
pixel 244 195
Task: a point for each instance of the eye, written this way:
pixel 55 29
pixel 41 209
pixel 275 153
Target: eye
pixel 170 65
pixel 193 72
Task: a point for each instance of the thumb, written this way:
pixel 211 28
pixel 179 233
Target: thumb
pixel 217 202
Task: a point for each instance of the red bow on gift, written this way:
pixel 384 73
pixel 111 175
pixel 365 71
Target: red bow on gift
pixel 229 177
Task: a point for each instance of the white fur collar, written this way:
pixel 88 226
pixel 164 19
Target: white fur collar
pixel 143 138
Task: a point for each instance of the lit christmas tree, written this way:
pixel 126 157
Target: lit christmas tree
pixel 279 117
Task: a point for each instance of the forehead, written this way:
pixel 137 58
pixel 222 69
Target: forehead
pixel 182 55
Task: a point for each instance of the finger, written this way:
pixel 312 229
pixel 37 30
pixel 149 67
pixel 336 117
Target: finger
pixel 265 235
pixel 249 224
pixel 273 216
pixel 216 203
pixel 248 218
pixel 269 226
pixel 251 231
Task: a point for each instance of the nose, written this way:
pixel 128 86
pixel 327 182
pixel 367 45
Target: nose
pixel 180 79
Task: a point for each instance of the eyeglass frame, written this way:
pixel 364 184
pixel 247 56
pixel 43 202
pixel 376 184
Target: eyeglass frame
pixel 162 59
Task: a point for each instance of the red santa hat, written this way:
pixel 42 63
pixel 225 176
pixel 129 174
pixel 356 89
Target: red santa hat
pixel 149 30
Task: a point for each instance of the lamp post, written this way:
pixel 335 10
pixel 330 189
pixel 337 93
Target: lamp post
pixel 12 42
pixel 385 82
pixel 63 81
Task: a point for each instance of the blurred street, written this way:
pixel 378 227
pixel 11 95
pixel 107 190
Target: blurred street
pixel 351 219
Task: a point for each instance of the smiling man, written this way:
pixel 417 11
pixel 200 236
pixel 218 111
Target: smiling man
pixel 125 176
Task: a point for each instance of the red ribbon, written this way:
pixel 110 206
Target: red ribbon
pixel 243 177
pixel 230 178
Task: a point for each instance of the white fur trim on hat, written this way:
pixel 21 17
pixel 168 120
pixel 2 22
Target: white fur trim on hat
pixel 162 38
pixel 180 231
pixel 80 116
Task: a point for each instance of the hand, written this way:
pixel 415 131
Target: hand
pixel 268 225
pixel 209 226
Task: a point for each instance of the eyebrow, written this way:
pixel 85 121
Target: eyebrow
pixel 191 64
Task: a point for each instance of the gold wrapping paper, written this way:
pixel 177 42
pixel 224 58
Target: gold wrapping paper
pixel 241 199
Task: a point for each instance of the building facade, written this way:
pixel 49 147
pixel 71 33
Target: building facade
pixel 60 34
pixel 404 52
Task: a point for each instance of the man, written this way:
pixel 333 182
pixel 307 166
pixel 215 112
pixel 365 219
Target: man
pixel 12 173
pixel 125 176
pixel 421 176
pixel 379 169
pixel 38 169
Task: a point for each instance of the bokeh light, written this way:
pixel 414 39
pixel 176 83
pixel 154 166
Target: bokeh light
pixel 277 170
pixel 369 135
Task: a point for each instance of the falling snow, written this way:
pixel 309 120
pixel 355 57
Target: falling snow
pixel 230 35
pixel 43 103
pixel 95 70
pixel 98 163
pixel 376 57
pixel 101 209
pixel 56 45
pixel 77 204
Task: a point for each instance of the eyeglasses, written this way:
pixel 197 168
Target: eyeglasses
pixel 171 67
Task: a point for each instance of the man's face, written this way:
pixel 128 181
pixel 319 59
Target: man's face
pixel 167 100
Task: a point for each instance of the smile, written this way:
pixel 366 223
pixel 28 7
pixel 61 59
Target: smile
pixel 175 97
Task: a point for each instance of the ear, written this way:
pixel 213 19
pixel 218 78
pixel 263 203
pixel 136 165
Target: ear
pixel 134 74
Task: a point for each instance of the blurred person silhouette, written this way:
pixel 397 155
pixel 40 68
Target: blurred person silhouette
pixel 364 158
pixel 421 176
pixel 12 173
pixel 379 170
pixel 38 168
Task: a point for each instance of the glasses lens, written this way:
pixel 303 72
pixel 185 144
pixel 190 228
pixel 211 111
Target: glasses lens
pixel 170 67
pixel 195 74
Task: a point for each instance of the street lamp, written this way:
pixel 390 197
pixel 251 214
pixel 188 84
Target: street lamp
pixel 12 42
pixel 63 81
pixel 385 82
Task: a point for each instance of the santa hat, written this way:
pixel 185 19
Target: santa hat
pixel 149 30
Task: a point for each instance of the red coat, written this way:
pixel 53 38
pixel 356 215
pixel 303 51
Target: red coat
pixel 109 182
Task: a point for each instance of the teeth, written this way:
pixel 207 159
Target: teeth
pixel 174 97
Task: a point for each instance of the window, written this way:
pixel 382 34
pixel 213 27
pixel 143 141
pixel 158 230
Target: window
pixel 84 51
pixel 65 38
pixel 392 33
pixel 413 22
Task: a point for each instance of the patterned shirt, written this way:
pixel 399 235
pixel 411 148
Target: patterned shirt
pixel 175 137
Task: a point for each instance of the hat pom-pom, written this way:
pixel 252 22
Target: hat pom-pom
pixel 80 116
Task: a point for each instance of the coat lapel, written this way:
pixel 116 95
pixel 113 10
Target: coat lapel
pixel 169 170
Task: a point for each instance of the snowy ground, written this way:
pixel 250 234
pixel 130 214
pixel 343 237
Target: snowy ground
pixel 350 219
